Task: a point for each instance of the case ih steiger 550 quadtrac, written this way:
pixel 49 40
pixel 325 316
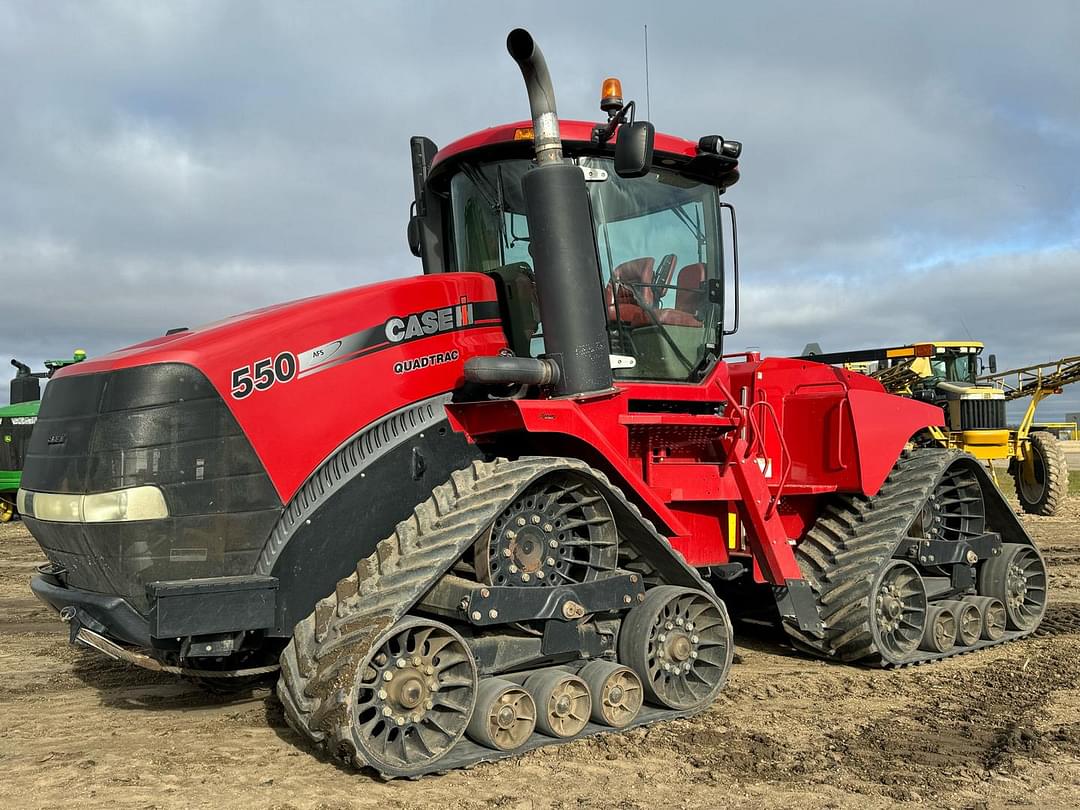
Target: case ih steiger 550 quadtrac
pixel 530 473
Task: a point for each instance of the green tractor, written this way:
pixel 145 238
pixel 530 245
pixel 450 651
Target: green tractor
pixel 17 422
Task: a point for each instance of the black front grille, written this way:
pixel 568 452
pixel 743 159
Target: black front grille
pixel 14 439
pixel 163 425
pixel 982 414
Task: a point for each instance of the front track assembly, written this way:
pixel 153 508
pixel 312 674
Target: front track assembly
pixel 526 603
pixel 934 565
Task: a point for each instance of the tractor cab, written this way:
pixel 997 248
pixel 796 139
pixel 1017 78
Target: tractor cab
pixel 662 237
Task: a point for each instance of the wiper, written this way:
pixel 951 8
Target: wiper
pixel 482 186
pixel 690 224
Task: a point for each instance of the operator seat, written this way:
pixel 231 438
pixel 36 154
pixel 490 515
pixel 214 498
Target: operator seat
pixel 689 298
pixel 631 285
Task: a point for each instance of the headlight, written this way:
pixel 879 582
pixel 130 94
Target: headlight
pixel 134 503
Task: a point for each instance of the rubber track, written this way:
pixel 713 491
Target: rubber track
pixel 851 541
pixel 318 667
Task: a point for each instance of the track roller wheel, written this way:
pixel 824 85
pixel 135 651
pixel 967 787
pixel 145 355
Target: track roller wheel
pixel 992 613
pixel 415 695
pixel 899 616
pixel 969 621
pixel 940 633
pixel 562 700
pixel 504 717
pixel 616 692
pixel 1017 577
pixel 679 643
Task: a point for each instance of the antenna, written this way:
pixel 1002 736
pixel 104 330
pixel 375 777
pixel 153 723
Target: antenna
pixel 648 104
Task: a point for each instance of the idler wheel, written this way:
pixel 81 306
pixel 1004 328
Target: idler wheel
pixel 616 690
pixel 898 605
pixel 679 643
pixel 414 695
pixel 504 717
pixel 1017 577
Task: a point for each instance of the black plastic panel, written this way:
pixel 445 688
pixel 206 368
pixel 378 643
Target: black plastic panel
pixel 205 606
pixel 14 440
pixel 347 525
pixel 163 425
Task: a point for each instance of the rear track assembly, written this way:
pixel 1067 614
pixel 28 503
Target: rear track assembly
pixel 884 597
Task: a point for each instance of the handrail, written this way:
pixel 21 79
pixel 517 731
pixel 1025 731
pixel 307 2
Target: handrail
pixel 758 440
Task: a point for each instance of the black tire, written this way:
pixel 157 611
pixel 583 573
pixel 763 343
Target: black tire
pixel 1042 480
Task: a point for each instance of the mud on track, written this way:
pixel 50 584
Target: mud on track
pixel 1000 728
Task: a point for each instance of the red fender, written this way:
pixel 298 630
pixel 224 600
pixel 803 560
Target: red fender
pixel 881 426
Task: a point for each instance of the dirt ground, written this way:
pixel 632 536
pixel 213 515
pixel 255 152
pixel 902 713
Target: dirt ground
pixel 997 729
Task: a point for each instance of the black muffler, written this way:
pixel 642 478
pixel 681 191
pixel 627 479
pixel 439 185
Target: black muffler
pixel 562 242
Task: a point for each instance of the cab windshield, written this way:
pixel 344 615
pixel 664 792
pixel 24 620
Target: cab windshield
pixel 954 368
pixel 658 243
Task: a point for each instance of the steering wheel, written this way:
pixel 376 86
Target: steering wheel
pixel 662 277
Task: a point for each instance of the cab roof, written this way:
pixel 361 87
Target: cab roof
pixel 507 140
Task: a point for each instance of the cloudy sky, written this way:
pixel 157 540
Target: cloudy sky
pixel 910 170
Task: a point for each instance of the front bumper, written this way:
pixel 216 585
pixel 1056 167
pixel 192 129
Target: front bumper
pixel 179 611
pixel 106 615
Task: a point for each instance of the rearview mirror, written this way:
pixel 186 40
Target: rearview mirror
pixel 634 149
pixel 993 364
pixel 413 233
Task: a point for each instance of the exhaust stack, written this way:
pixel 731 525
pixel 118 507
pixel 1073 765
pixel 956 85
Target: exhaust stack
pixel 563 247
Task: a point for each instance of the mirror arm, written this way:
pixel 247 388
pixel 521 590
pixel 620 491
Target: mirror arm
pixel 602 133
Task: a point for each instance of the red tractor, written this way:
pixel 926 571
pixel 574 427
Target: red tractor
pixel 531 475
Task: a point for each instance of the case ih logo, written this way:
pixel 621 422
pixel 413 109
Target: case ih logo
pixel 429 322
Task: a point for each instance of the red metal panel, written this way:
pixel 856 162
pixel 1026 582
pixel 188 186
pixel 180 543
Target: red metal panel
pixel 881 425
pixel 294 425
pixel 572 132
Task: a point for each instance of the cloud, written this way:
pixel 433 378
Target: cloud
pixel 909 170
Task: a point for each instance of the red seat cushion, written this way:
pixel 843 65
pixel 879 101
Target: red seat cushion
pixel 689 297
pixel 632 282
pixel 629 314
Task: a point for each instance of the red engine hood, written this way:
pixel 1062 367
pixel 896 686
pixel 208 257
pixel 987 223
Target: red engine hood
pixel 356 355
